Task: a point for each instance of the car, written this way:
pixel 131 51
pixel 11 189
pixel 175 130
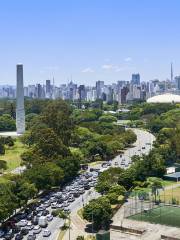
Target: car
pixel 143 148
pixel 65 204
pixel 35 220
pixel 47 204
pixel 92 184
pixel 116 163
pixel 31 236
pixel 37 229
pixel 2 233
pixel 86 186
pixel 81 190
pixel 24 231
pixel 16 229
pixel 9 236
pixel 19 236
pixel 23 223
pixel 29 226
pixel 67 210
pixel 46 233
pixel 49 217
pixel 29 216
pixel 71 199
pixel 59 205
pixel 45 212
pixel 54 205
pixel 76 194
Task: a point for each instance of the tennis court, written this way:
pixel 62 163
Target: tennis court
pixel 165 214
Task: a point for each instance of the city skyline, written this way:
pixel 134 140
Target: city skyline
pixel 90 41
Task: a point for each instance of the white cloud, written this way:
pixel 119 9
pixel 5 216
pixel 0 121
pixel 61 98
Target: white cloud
pixel 113 67
pixel 119 69
pixel 108 66
pixel 107 59
pixel 128 59
pixel 87 70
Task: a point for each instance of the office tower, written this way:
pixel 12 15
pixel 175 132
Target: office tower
pixel 39 91
pixel 99 89
pixel 135 79
pixel 48 88
pixel 177 79
pixel 20 113
pixel 82 92
pixel 172 72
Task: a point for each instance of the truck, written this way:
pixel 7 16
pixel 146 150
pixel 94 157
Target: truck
pixel 43 222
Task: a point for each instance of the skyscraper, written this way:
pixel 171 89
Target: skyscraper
pixel 20 113
pixel 48 88
pixel 172 73
pixel 135 79
pixel 99 89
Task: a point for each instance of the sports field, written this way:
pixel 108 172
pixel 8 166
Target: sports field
pixel 167 215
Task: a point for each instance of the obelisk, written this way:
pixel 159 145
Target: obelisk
pixel 20 113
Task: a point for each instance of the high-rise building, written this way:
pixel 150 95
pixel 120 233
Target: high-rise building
pixel 135 79
pixel 172 78
pixel 177 79
pixel 99 89
pixel 48 88
pixel 20 113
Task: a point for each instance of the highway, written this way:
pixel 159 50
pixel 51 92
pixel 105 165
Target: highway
pixel 141 146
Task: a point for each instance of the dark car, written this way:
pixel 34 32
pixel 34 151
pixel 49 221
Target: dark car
pixel 86 187
pixel 35 220
pixel 24 231
pixel 9 236
pixel 19 236
pixel 16 229
pixel 76 194
pixel 45 212
pixel 31 236
pixel 29 216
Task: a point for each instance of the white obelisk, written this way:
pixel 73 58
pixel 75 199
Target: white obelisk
pixel 20 113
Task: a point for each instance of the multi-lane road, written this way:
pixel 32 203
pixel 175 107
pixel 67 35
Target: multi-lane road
pixel 141 146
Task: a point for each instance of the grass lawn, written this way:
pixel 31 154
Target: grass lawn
pixel 12 155
pixel 170 194
pixel 166 215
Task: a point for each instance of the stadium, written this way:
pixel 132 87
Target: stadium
pixel 164 98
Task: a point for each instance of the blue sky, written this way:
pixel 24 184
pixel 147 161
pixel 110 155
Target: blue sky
pixel 89 39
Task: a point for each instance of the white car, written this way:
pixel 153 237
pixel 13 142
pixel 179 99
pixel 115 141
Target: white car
pixel 46 233
pixel 49 217
pixel 65 204
pixel 37 229
pixel 29 226
pixel 23 223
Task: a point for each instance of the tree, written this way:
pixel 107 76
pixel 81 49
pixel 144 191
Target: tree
pixel 7 123
pixel 99 212
pixel 108 118
pixel 70 166
pixel 23 190
pixel 7 200
pixel 120 190
pixel 57 116
pixel 45 176
pixel 107 179
pixel 3 165
pixel 49 145
pixel 155 185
